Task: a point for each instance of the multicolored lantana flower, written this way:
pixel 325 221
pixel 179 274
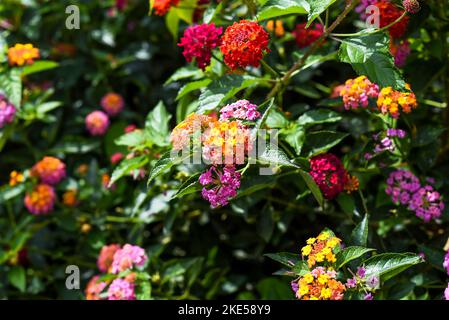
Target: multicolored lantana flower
pixel 106 257
pixel 97 123
pixel 362 283
pixel 198 42
pixel 22 54
pixel 405 188
pixel 392 102
pixel 69 198
pixel 329 174
pixel 7 111
pixel 127 257
pixel 112 103
pixel 306 36
pixel 320 284
pixel 49 170
pixel 244 44
pixel 121 289
pixel 389 13
pixel 356 92
pixel 41 199
pixel 161 7
pixel 193 125
pixel 94 288
pixel 220 184
pixel 321 249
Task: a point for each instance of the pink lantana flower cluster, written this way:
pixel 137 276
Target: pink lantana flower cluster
pixel 384 141
pixel 240 110
pixel 7 111
pixel 405 188
pixel 220 184
pixel 114 259
pixel 356 92
pixel 198 42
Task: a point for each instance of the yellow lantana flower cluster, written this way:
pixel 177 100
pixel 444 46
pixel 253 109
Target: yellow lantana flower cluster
pixel 321 249
pixel 320 284
pixel 22 54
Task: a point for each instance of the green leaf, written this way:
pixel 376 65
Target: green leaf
pixel 359 235
pixel 350 253
pixel 156 125
pixel 131 139
pixel 312 186
pixel 211 12
pixel 317 7
pixel 223 89
pixel 322 141
pixel 191 185
pixel 427 134
pixel 39 66
pixel 163 164
pixel 276 8
pixel 346 203
pixel 172 23
pixel 185 73
pixel 185 10
pixel 318 116
pixel 126 166
pixel 295 136
pixel 286 258
pixel 48 106
pixel 9 193
pixel 370 55
pixel 17 278
pixel 192 86
pixel 11 86
pixel 276 157
pixel 388 265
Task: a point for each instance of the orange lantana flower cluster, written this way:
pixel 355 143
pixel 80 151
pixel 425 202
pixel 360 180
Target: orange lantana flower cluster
pixel 392 102
pixel 22 54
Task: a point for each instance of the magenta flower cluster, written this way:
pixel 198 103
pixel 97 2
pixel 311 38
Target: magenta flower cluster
pixel 361 8
pixel 7 111
pixel 198 42
pixel 401 53
pixel 120 289
pixel 240 110
pixel 219 185
pixel 127 257
pixel 405 188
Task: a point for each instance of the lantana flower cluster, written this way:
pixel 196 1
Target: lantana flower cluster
pixel 389 13
pixel 198 42
pixel 22 54
pixel 49 171
pixel 356 92
pixel 393 102
pixel 161 7
pixel 405 188
pixel 112 103
pixel 306 36
pixel 330 175
pixel 7 111
pixel 384 141
pixel 360 282
pixel 319 284
pixel 321 249
pixel 115 259
pixel 224 143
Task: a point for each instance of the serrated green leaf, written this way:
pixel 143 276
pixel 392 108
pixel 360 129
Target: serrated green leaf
pixel 388 265
pixel 192 86
pixel 317 7
pixel 318 116
pixel 276 8
pixel 157 125
pixel 359 235
pixel 322 141
pixel 126 166
pixel 286 258
pixel 17 278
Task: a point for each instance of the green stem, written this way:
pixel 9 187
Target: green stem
pixel 361 33
pixel 272 70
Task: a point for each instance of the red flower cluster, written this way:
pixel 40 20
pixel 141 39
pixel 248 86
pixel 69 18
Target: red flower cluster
pixel 161 7
pixel 390 13
pixel 244 44
pixel 305 37
pixel 199 41
pixel 329 174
